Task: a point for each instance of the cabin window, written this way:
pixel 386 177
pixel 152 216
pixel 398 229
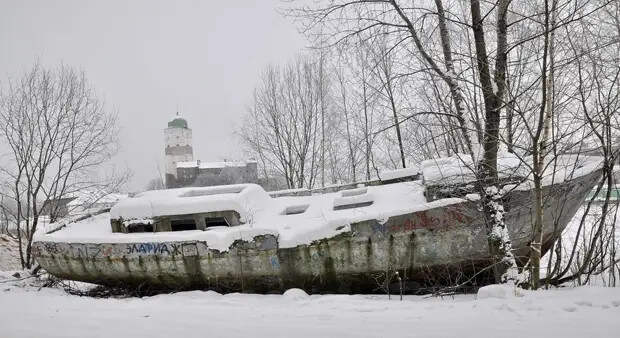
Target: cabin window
pixel 139 227
pixel 353 205
pixel 216 222
pixel 295 209
pixel 183 224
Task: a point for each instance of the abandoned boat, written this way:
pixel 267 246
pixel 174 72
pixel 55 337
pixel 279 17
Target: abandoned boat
pixel 341 239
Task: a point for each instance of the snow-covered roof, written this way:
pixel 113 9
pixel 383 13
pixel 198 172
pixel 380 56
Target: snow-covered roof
pixel 242 198
pixel 212 165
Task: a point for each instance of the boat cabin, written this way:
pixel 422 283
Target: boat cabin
pixel 186 209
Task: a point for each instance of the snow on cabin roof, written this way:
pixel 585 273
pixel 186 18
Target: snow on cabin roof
pixel 212 165
pixel 240 197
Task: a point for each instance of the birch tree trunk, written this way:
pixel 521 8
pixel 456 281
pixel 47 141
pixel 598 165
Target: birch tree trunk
pixel 499 242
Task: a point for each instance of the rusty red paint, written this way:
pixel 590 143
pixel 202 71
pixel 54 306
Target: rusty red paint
pixel 423 220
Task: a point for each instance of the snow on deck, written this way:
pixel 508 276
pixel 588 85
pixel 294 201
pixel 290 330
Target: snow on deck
pixel 567 313
pixel 460 168
pixel 387 175
pixel 261 213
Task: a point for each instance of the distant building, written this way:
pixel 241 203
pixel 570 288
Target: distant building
pixel 183 171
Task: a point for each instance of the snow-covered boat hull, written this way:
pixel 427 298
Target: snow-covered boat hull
pixel 444 245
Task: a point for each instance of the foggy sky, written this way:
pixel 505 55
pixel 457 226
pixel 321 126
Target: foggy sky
pixel 147 59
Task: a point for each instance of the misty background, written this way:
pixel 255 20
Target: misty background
pixel 148 59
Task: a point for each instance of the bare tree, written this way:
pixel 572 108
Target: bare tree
pixel 540 140
pixel 155 184
pixel 595 53
pixel 281 128
pixel 345 106
pixel 383 69
pixel 60 136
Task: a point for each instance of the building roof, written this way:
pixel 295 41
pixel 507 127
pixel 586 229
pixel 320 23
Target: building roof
pixel 178 122
pixel 212 165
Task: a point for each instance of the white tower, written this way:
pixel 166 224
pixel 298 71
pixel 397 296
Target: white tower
pixel 178 147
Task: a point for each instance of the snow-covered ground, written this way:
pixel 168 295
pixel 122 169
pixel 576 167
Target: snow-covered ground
pixel 585 236
pixel 26 311
pixel 9 253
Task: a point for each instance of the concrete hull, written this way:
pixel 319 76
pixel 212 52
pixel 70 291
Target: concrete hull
pixel 441 246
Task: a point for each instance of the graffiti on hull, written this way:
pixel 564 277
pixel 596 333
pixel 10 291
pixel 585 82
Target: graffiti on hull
pixel 114 250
